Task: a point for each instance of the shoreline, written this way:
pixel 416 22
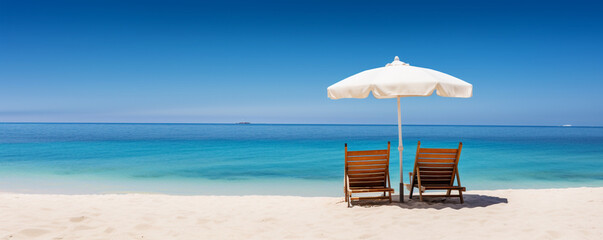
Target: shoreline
pixel 559 213
pixel 159 193
pixel 94 185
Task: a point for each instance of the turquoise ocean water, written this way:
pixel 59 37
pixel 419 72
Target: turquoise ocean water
pixel 307 160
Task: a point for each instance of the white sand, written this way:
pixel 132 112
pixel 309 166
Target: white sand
pixel 575 213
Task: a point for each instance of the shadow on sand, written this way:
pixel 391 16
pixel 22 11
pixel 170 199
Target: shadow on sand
pixel 471 201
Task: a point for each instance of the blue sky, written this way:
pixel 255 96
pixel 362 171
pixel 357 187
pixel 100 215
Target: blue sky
pixel 531 63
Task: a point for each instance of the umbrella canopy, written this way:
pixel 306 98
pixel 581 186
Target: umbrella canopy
pixel 398 79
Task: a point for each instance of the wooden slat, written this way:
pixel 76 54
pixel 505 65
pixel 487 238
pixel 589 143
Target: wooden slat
pixel 369 198
pixel 372 188
pixel 433 180
pixel 377 179
pixel 443 175
pixel 365 175
pixel 435 177
pixel 381 178
pixel 429 182
pixel 362 171
pixel 446 180
pixel 361 158
pixel 370 184
pixel 382 166
pixel 437 160
pixel 437 155
pixel 444 188
pixel 439 195
pixel 364 190
pixel 430 169
pixel 436 150
pixel 425 186
pixel 434 165
pixel 365 153
pixel 436 173
pixel 380 182
pixel 382 162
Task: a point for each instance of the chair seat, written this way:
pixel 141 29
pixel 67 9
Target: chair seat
pixel 444 188
pixel 370 189
pixel 438 186
pixel 369 198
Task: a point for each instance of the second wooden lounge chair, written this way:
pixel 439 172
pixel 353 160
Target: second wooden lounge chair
pixel 367 172
pixel 436 169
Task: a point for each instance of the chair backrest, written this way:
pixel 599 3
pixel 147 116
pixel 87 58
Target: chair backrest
pixel 437 165
pixel 367 168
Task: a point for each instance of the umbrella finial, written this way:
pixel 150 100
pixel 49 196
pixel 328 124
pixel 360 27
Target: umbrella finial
pixel 396 62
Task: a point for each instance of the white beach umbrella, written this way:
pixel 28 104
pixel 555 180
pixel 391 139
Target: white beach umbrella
pixel 398 79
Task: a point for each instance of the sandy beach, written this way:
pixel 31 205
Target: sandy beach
pixel 573 213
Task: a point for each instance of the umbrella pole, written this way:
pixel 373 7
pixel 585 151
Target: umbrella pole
pixel 400 148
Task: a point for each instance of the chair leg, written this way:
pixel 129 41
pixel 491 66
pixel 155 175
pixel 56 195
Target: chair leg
pixel 349 200
pixel 410 195
pixel 461 196
pixel 420 194
pixel 345 192
pixel 390 197
pixel 447 194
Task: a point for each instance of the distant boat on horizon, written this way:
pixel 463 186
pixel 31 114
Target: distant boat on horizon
pixel 566 125
pixel 243 123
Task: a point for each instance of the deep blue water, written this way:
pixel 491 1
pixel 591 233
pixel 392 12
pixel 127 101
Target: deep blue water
pixel 278 159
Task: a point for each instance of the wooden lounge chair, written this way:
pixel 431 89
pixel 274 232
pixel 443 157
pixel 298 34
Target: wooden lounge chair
pixel 436 169
pixel 367 172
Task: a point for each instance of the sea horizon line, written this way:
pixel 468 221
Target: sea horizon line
pixel 319 124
